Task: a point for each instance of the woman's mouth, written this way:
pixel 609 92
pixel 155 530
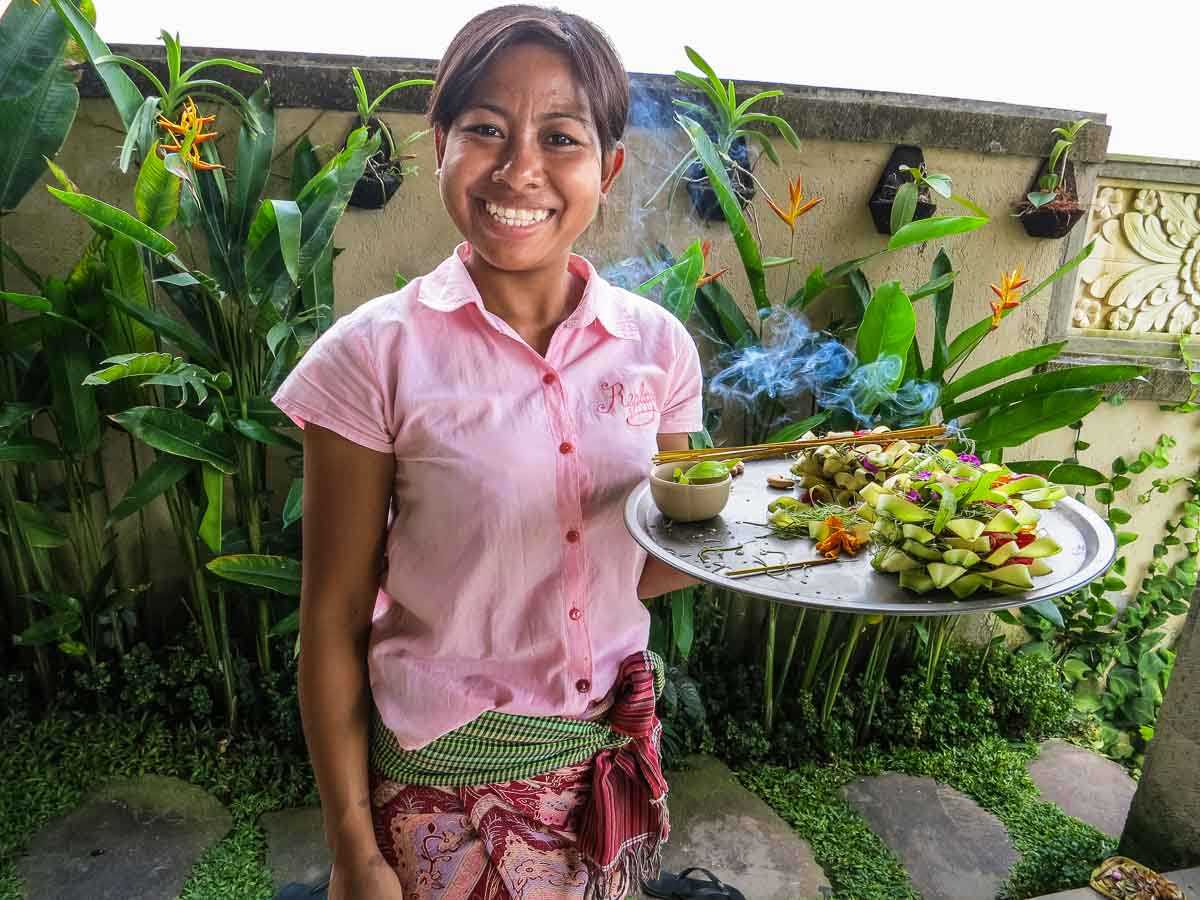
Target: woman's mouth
pixel 517 218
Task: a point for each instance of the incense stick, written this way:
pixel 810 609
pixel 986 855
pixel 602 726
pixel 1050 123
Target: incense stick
pixel 777 567
pixel 925 434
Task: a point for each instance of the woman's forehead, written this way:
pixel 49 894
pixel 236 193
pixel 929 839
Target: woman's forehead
pixel 531 73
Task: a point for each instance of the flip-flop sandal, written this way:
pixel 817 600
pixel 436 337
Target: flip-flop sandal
pixel 680 887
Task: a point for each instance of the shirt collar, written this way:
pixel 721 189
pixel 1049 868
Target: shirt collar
pixel 449 287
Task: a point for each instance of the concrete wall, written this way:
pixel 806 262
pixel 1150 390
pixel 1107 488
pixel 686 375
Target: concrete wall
pixel 991 151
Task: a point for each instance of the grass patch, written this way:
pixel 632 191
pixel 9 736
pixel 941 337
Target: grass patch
pixel 47 766
pixel 1057 852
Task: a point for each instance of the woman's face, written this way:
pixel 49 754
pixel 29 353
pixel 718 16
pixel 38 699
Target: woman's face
pixel 522 168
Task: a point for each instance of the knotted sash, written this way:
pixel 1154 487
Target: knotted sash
pixel 625 820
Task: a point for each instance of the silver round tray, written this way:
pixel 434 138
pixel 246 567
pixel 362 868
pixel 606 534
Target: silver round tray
pixel 851 585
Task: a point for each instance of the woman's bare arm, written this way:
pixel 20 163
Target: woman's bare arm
pixel 657 577
pixel 347 489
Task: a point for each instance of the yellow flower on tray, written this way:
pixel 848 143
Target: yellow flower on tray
pixel 797 206
pixel 190 125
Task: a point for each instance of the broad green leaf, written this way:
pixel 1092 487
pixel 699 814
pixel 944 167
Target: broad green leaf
pixel 942 270
pixel 68 364
pixel 170 329
pixel 1048 610
pixel 254 149
pixel 1046 383
pixel 38 97
pixel 49 630
pixel 682 629
pixel 277 573
pixel 860 286
pixel 15 414
pixel 888 326
pixel 29 450
pixel 933 285
pixel 21 334
pixel 174 431
pixel 106 216
pixel 40 528
pixel 161 475
pixel 132 365
pixel 734 218
pixel 141 135
pixel 293 506
pixel 678 282
pixel 783 126
pixel 27 301
pixel 904 206
pixel 257 431
pixel 120 87
pixel 796 430
pixel 1002 368
pixel 214 509
pixel 274 235
pixel 718 308
pixel 1018 423
pixel 940 184
pixel 289 624
pixel 1087 695
pixel 156 194
pixel 321 204
pixel 1060 472
pixel 932 229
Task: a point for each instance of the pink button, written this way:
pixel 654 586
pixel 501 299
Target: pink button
pixel 583 685
pixel 565 447
pixel 572 536
pixel 549 378
pixel 576 614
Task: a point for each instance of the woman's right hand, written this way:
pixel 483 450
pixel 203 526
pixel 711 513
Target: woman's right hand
pixel 369 879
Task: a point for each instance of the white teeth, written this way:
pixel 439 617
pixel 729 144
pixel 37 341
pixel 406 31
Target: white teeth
pixel 517 217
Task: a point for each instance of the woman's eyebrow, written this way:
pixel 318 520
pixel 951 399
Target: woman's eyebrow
pixel 577 115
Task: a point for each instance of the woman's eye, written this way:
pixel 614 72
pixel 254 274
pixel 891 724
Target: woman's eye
pixel 484 130
pixel 562 140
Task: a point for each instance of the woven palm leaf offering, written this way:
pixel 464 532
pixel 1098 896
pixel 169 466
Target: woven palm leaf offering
pixel 945 520
pixel 834 472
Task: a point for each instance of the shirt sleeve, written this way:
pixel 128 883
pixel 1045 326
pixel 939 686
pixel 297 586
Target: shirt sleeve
pixel 337 385
pixel 684 407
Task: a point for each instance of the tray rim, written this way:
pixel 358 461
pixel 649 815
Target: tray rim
pixel 918 606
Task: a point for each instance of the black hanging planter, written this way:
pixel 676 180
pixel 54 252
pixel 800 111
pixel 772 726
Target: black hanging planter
pixel 884 197
pixel 704 198
pixel 381 178
pixel 1058 217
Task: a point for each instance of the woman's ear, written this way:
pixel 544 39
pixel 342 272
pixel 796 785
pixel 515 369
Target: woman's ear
pixel 610 167
pixel 439 143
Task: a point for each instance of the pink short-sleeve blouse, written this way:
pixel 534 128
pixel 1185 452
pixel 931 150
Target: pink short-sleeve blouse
pixel 511 582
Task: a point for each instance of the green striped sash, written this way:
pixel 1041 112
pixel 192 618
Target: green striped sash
pixel 496 747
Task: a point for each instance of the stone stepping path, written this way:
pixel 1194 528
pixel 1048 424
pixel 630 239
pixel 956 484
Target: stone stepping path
pixel 952 848
pixel 296 849
pixel 718 824
pixel 133 839
pixel 1083 784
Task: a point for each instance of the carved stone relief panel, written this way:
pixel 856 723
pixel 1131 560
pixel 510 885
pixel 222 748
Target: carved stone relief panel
pixel 1142 280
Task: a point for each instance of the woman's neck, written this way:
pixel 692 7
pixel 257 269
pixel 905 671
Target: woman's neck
pixel 532 302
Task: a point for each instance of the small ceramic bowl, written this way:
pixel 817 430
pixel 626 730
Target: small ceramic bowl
pixel 687 502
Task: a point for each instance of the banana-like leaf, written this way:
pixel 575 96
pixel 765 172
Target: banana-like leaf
pixel 141 132
pixel 293 506
pixel 679 282
pixel 53 628
pixel 32 40
pixel 718 179
pixel 170 329
pixel 162 474
pixel 797 430
pixel 321 204
pixel 34 122
pixel 106 216
pixel 40 528
pixel 176 432
pixel 31 302
pixel 1025 420
pixel 888 326
pixel 943 278
pixel 257 431
pixel 933 229
pixel 1046 383
pixel 132 365
pixel 277 573
pixel 29 450
pixel 1002 368
pixel 121 89
pixel 68 361
pixel 289 624
pixel 253 163
pixel 274 235
pixel 723 316
pixel 214 509
pixel 156 194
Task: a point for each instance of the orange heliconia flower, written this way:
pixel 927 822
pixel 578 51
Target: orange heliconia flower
pixel 1010 284
pixel 838 539
pixel 709 278
pixel 797 205
pixel 190 123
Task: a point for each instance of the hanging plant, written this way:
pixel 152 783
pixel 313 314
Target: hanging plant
pixel 1051 208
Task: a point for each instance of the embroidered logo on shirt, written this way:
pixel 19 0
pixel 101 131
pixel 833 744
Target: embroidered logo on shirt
pixel 638 405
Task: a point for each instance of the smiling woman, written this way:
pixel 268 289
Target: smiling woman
pixel 481 716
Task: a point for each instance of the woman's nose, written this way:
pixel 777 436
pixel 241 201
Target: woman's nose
pixel 521 164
